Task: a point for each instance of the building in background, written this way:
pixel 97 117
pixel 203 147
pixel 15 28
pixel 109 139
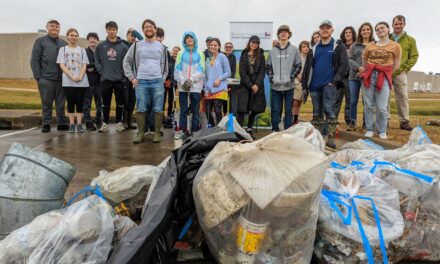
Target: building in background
pixel 15 53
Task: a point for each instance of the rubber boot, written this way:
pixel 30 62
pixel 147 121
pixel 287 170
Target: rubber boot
pixel 140 120
pixel 318 122
pixel 332 123
pixel 157 125
pixel 130 123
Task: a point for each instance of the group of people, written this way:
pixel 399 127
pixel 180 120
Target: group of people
pixel 142 71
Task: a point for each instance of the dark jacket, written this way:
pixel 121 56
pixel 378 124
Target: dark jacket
pixel 44 58
pixel 92 72
pixel 256 103
pixel 232 63
pixel 340 65
pixel 109 57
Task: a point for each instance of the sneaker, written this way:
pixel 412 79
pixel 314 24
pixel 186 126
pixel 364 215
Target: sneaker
pixel 71 128
pixel 63 127
pixel 80 129
pixel 120 127
pixel 179 135
pixel 103 128
pixel 405 126
pixel 90 126
pixel 45 128
pixel 383 135
pixel 369 134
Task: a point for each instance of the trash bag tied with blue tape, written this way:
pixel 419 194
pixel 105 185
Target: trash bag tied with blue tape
pixel 359 215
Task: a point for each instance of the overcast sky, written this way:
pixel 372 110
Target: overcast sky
pixel 207 17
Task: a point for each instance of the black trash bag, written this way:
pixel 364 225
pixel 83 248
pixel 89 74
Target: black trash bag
pixel 171 202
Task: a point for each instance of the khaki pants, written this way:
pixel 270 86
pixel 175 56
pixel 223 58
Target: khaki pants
pixel 400 83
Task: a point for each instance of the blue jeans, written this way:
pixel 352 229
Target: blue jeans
pixel 376 100
pixel 276 102
pixel 195 109
pixel 355 87
pixel 150 92
pixel 323 102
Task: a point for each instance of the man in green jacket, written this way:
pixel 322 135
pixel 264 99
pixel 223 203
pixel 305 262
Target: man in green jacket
pixel 409 59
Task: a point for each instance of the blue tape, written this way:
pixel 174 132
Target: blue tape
pixel 230 123
pixel 336 165
pixel 185 228
pixel 88 189
pixel 411 173
pixel 373 145
pixel 424 138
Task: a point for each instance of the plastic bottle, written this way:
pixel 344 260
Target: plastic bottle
pixel 251 232
pixel 410 213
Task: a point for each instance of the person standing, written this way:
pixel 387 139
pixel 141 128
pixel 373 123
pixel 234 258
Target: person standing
pixel 146 66
pixel 304 48
pixel 94 90
pixel 325 68
pixel 410 56
pixel 189 73
pixel 380 60
pixel 365 37
pixel 283 66
pixel 348 37
pixel 216 87
pixel 109 57
pixel 47 73
pixel 315 39
pixel 229 48
pixel 73 62
pixel 252 71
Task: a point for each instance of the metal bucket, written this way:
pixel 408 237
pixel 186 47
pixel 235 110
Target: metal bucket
pixel 31 183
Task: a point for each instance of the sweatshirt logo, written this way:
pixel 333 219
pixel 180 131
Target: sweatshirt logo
pixel 112 54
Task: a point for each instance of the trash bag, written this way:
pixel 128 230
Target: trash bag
pixel 418 137
pixel 171 202
pixel 126 182
pixel 308 132
pixel 81 233
pixel 362 144
pixel 258 202
pixel 359 215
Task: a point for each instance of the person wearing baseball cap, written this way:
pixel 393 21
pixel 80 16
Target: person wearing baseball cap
pixel 284 65
pixel 324 71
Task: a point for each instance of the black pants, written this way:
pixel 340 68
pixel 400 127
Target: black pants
pixel 130 97
pixel 340 94
pixel 251 119
pixel 108 88
pixel 216 105
pixel 169 93
pixel 93 92
pixel 75 98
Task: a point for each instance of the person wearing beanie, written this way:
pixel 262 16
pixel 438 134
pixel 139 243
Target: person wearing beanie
pixel 324 70
pixel 283 66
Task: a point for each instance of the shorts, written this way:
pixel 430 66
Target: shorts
pixel 297 93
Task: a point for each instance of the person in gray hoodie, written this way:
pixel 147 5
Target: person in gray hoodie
pixel 109 56
pixel 283 66
pixel 47 73
pixel 146 66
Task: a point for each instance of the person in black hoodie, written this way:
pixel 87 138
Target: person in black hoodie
pixel 47 73
pixel 94 90
pixel 252 68
pixel 324 71
pixel 109 57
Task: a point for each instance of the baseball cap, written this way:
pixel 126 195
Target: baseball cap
pixel 53 21
pixel 326 23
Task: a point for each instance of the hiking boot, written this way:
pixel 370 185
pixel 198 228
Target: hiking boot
pixel 157 126
pixel 79 128
pixel 405 126
pixel 71 128
pixel 140 120
pixel 104 128
pixel 331 134
pixel 120 127
pixel 45 129
pixel 63 127
pixel 90 126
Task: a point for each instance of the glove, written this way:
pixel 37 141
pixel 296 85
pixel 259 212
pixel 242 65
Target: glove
pixel 187 85
pixel 305 96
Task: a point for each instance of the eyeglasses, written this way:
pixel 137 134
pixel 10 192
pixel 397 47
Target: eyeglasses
pixel 228 47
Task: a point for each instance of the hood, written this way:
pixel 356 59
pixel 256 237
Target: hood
pixel 196 44
pixel 279 47
pixel 118 40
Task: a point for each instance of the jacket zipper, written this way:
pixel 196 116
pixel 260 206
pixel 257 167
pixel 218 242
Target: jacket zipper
pixel 190 63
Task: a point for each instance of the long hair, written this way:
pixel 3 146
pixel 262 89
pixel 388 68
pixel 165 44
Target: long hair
pixel 360 39
pixel 312 42
pixel 303 43
pixel 248 48
pixel 353 33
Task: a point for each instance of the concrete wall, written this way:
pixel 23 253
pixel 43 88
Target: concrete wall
pixel 15 54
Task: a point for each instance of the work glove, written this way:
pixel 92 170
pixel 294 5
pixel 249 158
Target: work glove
pixel 187 85
pixel 305 96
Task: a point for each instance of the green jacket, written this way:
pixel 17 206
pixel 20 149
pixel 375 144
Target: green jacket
pixel 409 53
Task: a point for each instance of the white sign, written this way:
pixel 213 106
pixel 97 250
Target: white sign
pixel 242 31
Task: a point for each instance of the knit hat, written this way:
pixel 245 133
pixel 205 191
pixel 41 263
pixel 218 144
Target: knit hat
pixel 254 38
pixel 285 28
